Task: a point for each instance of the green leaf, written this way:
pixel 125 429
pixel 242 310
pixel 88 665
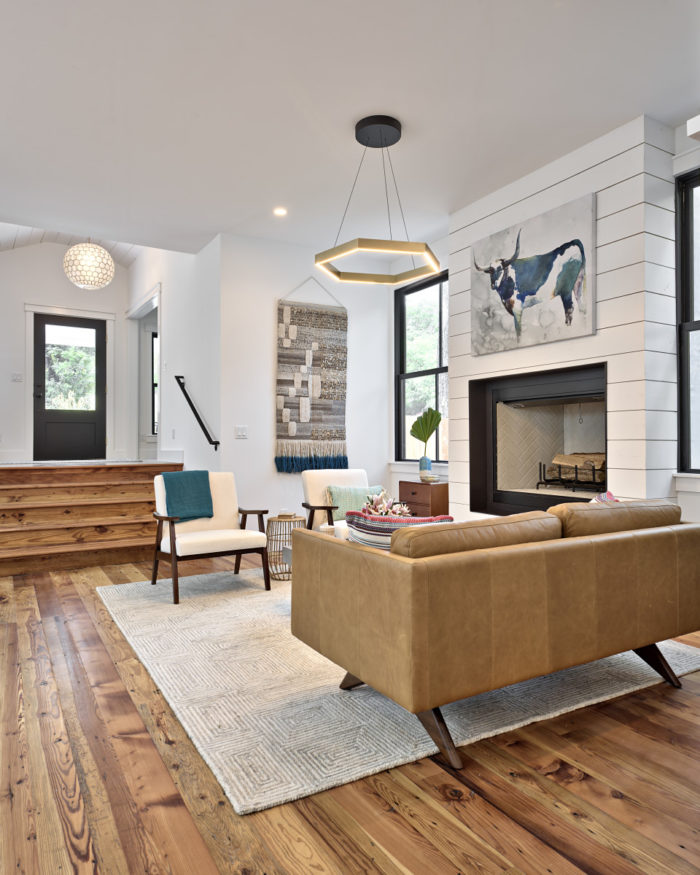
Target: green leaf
pixel 427 423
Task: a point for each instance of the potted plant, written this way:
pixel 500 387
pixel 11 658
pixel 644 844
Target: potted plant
pixel 422 430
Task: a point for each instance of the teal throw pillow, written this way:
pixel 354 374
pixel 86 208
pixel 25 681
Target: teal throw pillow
pixel 350 498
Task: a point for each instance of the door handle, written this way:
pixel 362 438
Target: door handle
pixel 38 394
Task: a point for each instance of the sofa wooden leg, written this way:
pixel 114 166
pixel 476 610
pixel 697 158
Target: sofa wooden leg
pixel 434 724
pixel 237 564
pixel 154 576
pixel 349 682
pixel 655 658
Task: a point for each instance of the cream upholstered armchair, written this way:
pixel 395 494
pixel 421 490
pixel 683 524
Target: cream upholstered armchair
pixel 316 500
pixel 221 535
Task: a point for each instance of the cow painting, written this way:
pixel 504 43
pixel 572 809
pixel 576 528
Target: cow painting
pixel 534 282
pixel 524 282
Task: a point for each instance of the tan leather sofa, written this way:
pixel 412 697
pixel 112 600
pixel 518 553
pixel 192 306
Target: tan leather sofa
pixel 459 608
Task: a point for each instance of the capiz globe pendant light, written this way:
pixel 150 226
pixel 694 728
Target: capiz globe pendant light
pixel 88 266
pixel 378 132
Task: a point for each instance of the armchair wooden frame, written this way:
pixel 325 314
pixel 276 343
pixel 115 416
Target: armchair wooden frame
pixel 312 508
pixel 173 558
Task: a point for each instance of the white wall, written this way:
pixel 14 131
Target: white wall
pixel 631 171
pixel 255 274
pixel 189 317
pixel 218 315
pixel 34 275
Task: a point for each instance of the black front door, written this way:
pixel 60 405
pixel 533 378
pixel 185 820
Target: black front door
pixel 69 388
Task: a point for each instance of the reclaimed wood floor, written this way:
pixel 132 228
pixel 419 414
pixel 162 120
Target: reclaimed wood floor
pixel 98 776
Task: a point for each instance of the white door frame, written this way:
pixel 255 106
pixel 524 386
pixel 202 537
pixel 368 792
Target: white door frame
pixel 109 319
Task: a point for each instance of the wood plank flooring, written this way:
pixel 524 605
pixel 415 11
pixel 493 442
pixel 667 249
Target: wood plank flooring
pixel 97 775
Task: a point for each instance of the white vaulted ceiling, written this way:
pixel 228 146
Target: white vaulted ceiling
pixel 12 236
pixel 165 123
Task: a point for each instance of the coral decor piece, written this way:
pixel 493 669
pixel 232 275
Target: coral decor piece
pixel 384 505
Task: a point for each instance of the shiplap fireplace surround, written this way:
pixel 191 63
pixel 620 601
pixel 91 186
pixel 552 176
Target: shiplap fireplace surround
pixel 630 170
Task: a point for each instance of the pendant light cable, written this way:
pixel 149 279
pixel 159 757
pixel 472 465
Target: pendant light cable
pixel 398 198
pixel 386 194
pixel 350 198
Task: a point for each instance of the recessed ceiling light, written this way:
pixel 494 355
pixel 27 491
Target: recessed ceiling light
pixel 280 211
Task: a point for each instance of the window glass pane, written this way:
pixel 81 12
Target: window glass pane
pixel 694 397
pixel 422 329
pixel 696 253
pixel 445 321
pixel 69 368
pixel 419 394
pixel 444 428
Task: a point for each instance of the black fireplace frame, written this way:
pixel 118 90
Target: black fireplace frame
pixel 561 385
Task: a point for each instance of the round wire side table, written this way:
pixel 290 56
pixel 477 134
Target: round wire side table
pixel 279 534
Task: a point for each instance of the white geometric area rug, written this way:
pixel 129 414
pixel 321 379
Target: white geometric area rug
pixel 265 711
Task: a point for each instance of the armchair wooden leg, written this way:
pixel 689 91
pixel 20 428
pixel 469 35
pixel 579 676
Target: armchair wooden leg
pixel 237 565
pixel 159 535
pixel 265 567
pixel 656 660
pixel 176 588
pixel 349 682
pixel 434 724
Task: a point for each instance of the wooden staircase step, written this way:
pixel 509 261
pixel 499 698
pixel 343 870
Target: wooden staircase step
pixel 110 473
pixel 22 560
pixel 39 492
pixel 51 535
pixel 26 513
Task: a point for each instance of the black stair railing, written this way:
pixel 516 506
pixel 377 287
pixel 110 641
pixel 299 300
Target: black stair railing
pixel 181 383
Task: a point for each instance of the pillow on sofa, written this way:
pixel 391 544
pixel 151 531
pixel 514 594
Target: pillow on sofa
pixel 599 518
pixel 376 531
pixel 350 498
pixel 519 528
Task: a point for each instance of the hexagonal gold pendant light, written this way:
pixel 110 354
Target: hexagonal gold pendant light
pixel 378 132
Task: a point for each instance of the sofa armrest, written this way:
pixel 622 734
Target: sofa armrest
pixel 355 605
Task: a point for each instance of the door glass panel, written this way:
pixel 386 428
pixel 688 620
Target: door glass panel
pixel 69 368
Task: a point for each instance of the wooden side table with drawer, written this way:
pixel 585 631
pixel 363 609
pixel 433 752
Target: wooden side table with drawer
pixel 425 499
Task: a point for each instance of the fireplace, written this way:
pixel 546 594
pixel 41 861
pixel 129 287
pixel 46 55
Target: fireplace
pixel 537 439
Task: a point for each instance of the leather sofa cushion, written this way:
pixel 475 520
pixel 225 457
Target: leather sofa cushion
pixel 598 518
pixel 519 528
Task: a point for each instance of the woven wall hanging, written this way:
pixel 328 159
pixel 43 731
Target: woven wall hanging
pixel 312 352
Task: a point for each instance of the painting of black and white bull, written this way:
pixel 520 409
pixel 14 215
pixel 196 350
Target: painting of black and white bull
pixel 524 282
pixel 543 294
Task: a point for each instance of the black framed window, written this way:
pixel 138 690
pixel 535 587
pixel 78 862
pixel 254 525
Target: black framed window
pixel 420 344
pixel 688 237
pixel 155 371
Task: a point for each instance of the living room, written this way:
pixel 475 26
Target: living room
pixel 203 122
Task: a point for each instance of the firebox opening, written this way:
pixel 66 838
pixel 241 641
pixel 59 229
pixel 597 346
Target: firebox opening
pixel 537 439
pixel 553 445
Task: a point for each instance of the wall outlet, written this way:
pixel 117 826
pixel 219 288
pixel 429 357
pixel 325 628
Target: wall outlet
pixel 241 432
pixel 17 378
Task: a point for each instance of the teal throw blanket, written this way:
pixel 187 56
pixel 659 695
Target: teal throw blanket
pixel 187 494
